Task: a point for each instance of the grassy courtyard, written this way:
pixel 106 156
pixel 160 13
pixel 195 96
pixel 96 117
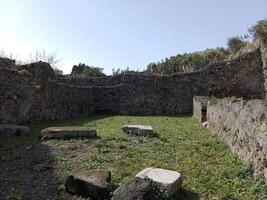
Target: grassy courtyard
pixel 34 169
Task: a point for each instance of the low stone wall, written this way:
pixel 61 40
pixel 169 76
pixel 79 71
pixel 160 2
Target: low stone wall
pixel 243 125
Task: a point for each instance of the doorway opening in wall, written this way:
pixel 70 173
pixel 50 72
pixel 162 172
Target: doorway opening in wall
pixel 203 113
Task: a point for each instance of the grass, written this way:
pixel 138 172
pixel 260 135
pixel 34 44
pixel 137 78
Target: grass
pixel 209 169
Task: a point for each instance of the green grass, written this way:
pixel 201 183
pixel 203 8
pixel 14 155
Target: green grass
pixel 209 168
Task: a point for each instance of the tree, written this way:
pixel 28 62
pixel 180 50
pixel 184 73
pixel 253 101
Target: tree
pixel 84 70
pixel 235 44
pixel 259 30
pixel 120 71
pixel 51 59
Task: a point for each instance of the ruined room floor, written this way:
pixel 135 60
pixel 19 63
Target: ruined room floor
pixel 34 169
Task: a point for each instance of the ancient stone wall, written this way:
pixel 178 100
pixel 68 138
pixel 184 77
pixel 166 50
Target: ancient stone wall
pixel 263 47
pixel 40 95
pixel 243 125
pixel 32 94
pixel 200 108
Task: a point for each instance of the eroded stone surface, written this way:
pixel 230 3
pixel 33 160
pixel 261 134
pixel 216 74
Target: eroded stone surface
pixel 140 130
pixel 136 189
pixel 13 130
pixel 93 184
pixel 67 132
pixel 168 180
pixel 243 125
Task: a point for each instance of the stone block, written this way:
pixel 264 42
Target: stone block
pixel 92 184
pixel 136 189
pixel 139 130
pixel 169 181
pixel 13 130
pixel 67 133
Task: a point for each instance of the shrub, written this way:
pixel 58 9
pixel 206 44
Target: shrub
pixel 260 30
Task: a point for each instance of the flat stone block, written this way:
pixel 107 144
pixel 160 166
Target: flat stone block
pixel 139 130
pixel 93 184
pixel 13 130
pixel 67 132
pixel 170 181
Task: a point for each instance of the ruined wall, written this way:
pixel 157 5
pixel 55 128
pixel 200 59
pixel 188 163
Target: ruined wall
pixel 263 47
pixel 200 108
pixel 241 77
pixel 146 94
pixel 32 94
pixel 243 125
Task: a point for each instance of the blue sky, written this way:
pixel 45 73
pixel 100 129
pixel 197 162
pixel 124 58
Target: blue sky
pixel 120 33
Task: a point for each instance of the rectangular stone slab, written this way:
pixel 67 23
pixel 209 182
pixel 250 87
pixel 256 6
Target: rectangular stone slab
pixel 7 130
pixel 139 130
pixel 168 180
pixel 67 133
pixel 93 184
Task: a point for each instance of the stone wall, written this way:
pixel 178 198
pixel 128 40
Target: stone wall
pixel 263 47
pixel 33 92
pixel 200 108
pixel 243 125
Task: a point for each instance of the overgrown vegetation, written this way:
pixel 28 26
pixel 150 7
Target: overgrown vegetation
pixel 259 30
pixel 85 70
pixel 188 62
pixel 209 168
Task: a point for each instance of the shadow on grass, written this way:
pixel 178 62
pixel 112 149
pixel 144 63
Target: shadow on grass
pixel 185 194
pixel 28 173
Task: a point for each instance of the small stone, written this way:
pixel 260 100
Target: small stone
pixel 28 148
pixel 136 189
pixel 139 130
pixel 68 132
pixel 13 130
pixel 169 181
pixel 93 184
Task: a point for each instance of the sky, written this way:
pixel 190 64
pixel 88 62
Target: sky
pixel 122 33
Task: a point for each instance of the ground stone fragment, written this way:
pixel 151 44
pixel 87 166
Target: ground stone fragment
pixel 136 189
pixel 169 181
pixel 13 130
pixel 93 184
pixel 139 130
pixel 67 132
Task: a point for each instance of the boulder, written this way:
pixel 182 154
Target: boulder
pixel 139 130
pixel 167 180
pixel 67 133
pixel 13 130
pixel 136 189
pixel 92 184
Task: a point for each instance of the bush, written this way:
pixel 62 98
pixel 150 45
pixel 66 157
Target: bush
pixel 235 44
pixel 260 30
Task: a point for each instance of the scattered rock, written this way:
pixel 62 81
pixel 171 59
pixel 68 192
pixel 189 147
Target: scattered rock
pixel 205 124
pixel 67 133
pixel 93 184
pixel 169 181
pixel 139 130
pixel 28 148
pixel 13 130
pixel 136 189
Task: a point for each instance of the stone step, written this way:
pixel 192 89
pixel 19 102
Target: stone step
pixel 7 130
pixel 68 133
pixel 139 130
pixel 92 184
pixel 169 181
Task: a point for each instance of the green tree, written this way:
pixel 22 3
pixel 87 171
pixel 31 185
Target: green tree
pixel 235 44
pixel 260 30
